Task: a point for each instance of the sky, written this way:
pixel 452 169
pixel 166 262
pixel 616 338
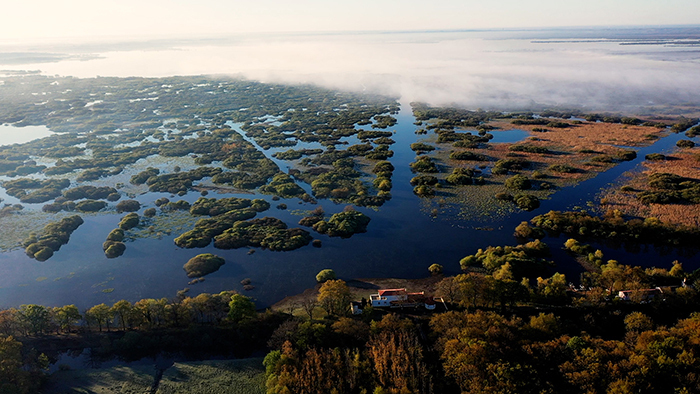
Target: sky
pixel 91 20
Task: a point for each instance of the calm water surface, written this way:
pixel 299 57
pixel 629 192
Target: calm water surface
pixel 18 135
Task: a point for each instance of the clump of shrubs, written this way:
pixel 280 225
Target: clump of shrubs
pixel 113 249
pixel 268 233
pixel 563 168
pixel 128 206
pixel 129 221
pixel 518 182
pixel 424 164
pixel 655 157
pixel 421 147
pixel 527 202
pixel 54 235
pixel 424 191
pixel 89 192
pixel 90 205
pixel 203 264
pixel 467 155
pixel 504 166
pixel 343 224
pixel 325 275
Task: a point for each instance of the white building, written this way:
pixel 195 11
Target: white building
pixel 398 298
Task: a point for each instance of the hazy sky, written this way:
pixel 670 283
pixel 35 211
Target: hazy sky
pixel 90 19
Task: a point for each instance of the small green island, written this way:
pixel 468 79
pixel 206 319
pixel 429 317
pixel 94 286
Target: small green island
pixel 202 264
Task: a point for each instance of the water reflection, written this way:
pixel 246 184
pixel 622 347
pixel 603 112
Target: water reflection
pixel 10 134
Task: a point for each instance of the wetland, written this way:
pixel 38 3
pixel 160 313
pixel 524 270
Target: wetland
pixel 141 175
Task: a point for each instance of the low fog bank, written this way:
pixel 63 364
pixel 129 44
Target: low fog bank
pixel 492 70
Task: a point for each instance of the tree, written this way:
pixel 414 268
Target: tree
pixel 334 297
pixel 13 377
pixel 677 270
pixel 448 289
pixel 66 316
pixel 325 275
pixel 435 269
pixel 552 290
pixel 34 318
pixel 638 322
pixel 122 310
pixel 240 308
pixel 308 305
pixel 100 314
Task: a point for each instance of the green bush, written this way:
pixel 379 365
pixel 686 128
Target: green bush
pixel 529 149
pixel 685 144
pixel 116 235
pixel 129 221
pixel 324 275
pixel 128 206
pixel 527 202
pixel 421 147
pixel 424 179
pixel 90 205
pixel 467 155
pixel 113 249
pixel 424 191
pixel 269 233
pixel 459 179
pixel 563 168
pixel 424 164
pixel 655 157
pixel 518 182
pixel 343 224
pixel 203 264
pixel 435 269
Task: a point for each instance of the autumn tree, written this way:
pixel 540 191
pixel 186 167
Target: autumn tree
pixel 122 310
pixel 334 297
pixel 100 315
pixel 397 357
pixel 19 374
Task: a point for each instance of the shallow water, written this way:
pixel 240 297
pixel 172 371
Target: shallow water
pixel 10 134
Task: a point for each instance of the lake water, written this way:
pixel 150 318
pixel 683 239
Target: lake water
pixel 10 134
pixel 402 241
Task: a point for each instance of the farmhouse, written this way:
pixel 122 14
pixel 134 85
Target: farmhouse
pixel 643 295
pixel 400 298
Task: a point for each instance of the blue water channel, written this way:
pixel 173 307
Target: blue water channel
pixel 401 241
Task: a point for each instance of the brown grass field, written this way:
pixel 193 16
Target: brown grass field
pixel 684 163
pixel 565 146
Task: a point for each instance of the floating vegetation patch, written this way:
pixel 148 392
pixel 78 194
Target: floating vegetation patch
pixel 18 226
pixel 163 224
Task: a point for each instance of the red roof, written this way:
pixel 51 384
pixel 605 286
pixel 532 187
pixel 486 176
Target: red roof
pixel 391 292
